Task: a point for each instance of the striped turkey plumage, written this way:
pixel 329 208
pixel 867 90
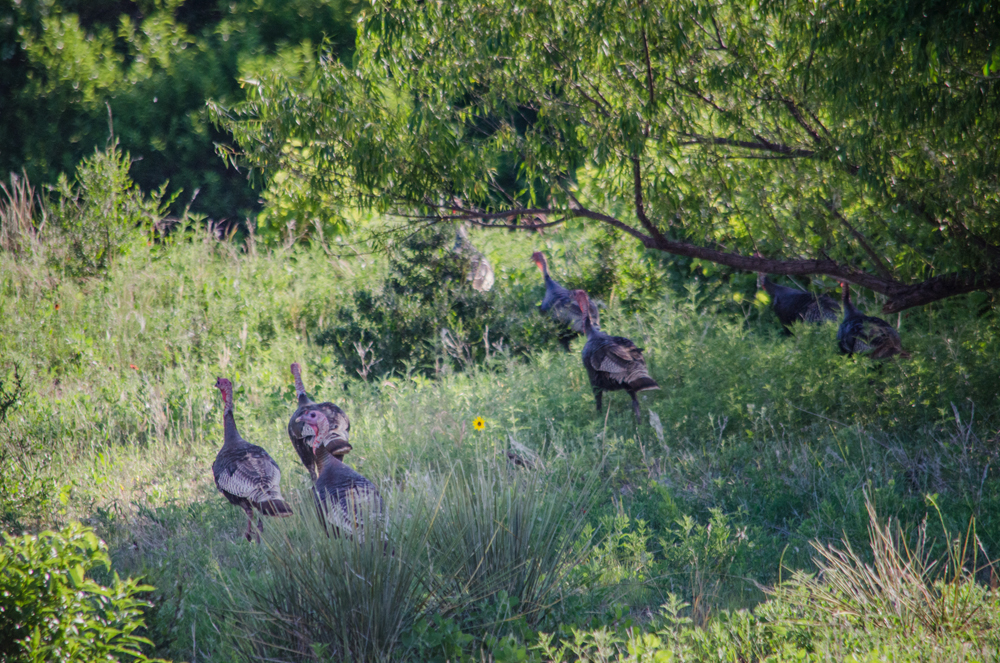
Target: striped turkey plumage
pixel 613 363
pixel 867 335
pixel 560 303
pixel 344 496
pixel 334 443
pixel 480 270
pixel 244 473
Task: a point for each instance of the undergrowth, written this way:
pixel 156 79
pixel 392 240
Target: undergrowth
pixel 756 456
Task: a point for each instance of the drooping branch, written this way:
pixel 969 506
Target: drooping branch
pixel 762 145
pixel 901 295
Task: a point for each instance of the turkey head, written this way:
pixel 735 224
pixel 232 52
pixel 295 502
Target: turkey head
pixel 318 430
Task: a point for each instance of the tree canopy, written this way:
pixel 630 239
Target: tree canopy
pixel 855 139
pixel 68 66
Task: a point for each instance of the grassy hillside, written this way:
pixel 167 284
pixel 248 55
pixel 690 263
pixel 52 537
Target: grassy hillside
pixel 755 445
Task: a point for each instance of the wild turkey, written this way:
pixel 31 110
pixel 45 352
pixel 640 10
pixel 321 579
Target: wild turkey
pixel 344 495
pixel 613 362
pixel 244 473
pixel 335 441
pixel 867 335
pixel 791 305
pixel 480 270
pixel 560 304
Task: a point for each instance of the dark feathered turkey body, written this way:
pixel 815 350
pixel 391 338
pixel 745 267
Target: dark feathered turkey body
pixel 561 304
pixel 247 476
pixel 346 496
pixel 791 305
pixel 614 363
pixel 310 458
pixel 558 302
pixel 867 335
pixel 295 434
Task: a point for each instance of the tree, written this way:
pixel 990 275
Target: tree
pixel 856 139
pixel 67 65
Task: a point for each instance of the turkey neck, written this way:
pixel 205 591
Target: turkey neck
pixel 588 327
pixel 850 310
pixel 232 436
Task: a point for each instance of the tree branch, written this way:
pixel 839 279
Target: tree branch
pixel 640 206
pixel 748 145
pixel 879 265
pixel 901 295
pixel 797 116
pixel 649 72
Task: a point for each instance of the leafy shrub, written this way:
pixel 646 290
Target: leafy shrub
pixel 103 212
pixel 50 610
pixel 426 311
pixel 24 493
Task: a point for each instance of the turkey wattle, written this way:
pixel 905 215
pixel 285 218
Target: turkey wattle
pixel 865 334
pixel 561 305
pixel 613 363
pixel 345 496
pixel 244 473
pixel 791 305
pixel 336 442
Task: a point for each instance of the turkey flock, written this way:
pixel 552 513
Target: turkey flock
pixel 320 432
pixel 249 478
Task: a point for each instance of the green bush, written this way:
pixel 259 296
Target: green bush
pixel 24 491
pixel 50 610
pixel 103 213
pixel 425 310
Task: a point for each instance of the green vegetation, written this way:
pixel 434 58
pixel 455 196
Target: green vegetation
pixel 776 501
pixel 68 68
pixel 554 519
pixel 850 140
pixel 53 612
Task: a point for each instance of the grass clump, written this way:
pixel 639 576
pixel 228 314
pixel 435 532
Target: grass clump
pixel 897 585
pixel 476 551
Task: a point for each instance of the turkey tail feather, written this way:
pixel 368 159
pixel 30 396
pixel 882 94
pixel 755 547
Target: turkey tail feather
pixel 643 384
pixel 275 507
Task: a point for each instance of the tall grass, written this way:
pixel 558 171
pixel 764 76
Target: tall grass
pixel 774 437
pixel 22 217
pixel 898 585
pixel 487 547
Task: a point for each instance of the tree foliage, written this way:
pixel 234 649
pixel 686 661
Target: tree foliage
pixel 67 67
pixel 850 139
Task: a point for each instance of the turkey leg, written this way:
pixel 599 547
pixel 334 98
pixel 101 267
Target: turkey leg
pixel 248 534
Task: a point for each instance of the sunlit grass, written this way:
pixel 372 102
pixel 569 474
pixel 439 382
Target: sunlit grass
pixel 777 434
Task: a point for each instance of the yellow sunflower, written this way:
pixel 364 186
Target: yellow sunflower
pixel 478 423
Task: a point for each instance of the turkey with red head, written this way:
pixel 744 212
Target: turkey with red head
pixel 559 303
pixel 244 473
pixel 866 335
pixel 792 305
pixel 343 495
pixel 336 440
pixel 613 363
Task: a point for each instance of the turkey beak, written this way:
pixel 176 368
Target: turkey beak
pixel 308 430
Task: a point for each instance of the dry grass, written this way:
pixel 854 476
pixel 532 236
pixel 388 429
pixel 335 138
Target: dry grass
pixel 898 585
pixel 22 217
